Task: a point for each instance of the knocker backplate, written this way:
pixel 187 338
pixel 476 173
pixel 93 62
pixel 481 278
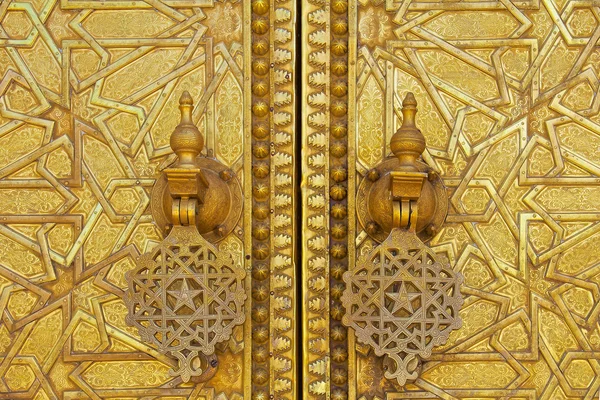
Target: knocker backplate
pixel 221 210
pixel 374 202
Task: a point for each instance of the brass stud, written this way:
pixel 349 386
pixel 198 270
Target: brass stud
pixel 339 88
pixel 260 6
pixel 339 6
pixel 339 394
pixel 260 211
pixel 339 26
pixel 260 170
pixel 339 108
pixel 373 175
pixel 337 312
pixel 260 354
pixel 260 150
pixel 260 108
pixel 260 292
pixel 260 231
pixel 338 174
pixel 337 290
pixel 338 251
pixel 260 314
pixel 372 227
pixel 337 270
pixel 260 66
pixel 339 130
pixel 339 67
pixel 260 47
pixel 339 376
pixel 226 175
pixel 338 211
pixel 338 149
pixel 338 192
pixel 260 251
pixel 339 354
pixel 260 26
pixel 339 47
pixel 260 376
pixel 339 231
pixel 260 334
pixel 261 191
pixel 260 131
pixel 260 271
pixel 338 333
pixel 260 88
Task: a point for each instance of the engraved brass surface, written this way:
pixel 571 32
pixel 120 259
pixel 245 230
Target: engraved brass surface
pixel 186 296
pixel 88 99
pixel 401 298
pixel 396 188
pixel 507 92
pixel 509 107
pixel 402 301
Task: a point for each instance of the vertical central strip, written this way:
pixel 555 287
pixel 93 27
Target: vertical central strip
pixel 315 198
pixel 338 182
pixel 282 211
pixel 261 129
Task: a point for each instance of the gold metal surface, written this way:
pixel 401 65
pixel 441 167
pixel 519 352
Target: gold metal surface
pixel 186 296
pixel 401 298
pixel 394 191
pixel 508 104
pixel 88 99
pixel 402 301
pixel 507 92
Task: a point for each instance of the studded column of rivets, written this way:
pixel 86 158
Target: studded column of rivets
pixel 261 129
pixel 338 174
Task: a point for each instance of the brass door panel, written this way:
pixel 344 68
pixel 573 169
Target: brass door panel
pixel 507 105
pixel 506 93
pixel 89 93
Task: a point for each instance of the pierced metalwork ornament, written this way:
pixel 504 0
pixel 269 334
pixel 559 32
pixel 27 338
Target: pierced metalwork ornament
pixel 185 296
pixel 401 299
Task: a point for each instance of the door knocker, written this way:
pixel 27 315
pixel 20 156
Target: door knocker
pixel 402 299
pixel 186 296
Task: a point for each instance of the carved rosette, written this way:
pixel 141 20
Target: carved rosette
pixel 402 301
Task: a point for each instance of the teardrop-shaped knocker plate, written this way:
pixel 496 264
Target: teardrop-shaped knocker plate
pixel 185 297
pixel 401 300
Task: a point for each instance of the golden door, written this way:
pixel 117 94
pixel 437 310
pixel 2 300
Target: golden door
pixel 279 199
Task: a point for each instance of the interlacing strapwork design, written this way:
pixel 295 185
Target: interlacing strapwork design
pixel 88 99
pixel 402 301
pixel 509 105
pixel 186 297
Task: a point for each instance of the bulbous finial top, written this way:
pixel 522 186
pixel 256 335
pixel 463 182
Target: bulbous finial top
pixel 186 140
pixel 408 142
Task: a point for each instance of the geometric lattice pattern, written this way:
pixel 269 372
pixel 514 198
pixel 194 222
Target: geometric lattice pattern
pixel 402 301
pixel 185 297
pixel 508 103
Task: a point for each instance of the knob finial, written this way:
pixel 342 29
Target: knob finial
pixel 408 142
pixel 186 140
